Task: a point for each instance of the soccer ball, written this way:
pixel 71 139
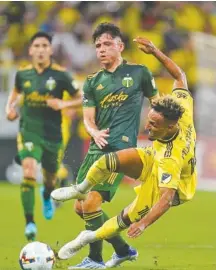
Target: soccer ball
pixel 36 256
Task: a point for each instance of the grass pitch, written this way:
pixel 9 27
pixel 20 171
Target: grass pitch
pixel 184 239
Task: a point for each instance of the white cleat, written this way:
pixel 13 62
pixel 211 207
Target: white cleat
pixel 71 248
pixel 67 193
pixel 117 260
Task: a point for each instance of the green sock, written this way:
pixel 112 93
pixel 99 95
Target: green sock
pixel 119 244
pixel 28 198
pixel 94 221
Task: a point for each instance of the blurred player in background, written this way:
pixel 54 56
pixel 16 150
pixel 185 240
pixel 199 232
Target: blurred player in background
pixel 43 86
pixel 167 170
pixel 113 98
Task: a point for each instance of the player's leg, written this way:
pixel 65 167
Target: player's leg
pixel 91 212
pixel 51 160
pixel 147 195
pixel 115 225
pixel 94 216
pixel 29 154
pixel 126 161
pixel 110 229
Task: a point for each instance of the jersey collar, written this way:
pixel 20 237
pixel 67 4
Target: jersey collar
pixel 119 66
pixel 48 67
pixel 170 139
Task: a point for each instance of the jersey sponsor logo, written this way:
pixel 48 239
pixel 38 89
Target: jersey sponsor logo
pixel 166 178
pixel 50 83
pixel 127 81
pixel 27 84
pixel 100 87
pixel 188 137
pixel 36 100
pixel 113 100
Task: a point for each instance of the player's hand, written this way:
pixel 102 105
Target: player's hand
pixel 11 112
pixel 136 229
pixel 145 45
pixel 55 103
pixel 100 137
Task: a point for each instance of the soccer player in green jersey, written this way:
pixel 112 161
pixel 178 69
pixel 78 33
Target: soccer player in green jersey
pixel 113 99
pixel 41 86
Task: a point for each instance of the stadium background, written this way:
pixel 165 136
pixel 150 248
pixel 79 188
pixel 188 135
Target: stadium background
pixel 183 30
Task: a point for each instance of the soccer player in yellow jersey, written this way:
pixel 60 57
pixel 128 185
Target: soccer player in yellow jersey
pixel 167 170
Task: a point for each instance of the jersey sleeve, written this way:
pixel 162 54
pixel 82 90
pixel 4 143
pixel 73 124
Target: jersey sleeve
pixel 185 99
pixel 69 84
pixel 169 171
pixel 148 83
pixel 17 85
pixel 88 96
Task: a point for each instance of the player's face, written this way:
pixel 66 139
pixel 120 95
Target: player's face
pixel 40 50
pixel 108 49
pixel 156 125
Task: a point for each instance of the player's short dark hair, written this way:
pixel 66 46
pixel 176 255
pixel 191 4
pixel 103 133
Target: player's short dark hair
pixel 41 34
pixel 169 107
pixel 109 28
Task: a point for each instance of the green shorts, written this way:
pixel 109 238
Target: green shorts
pixel 108 188
pixel 49 154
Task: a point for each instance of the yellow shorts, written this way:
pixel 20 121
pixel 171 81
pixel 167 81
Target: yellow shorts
pixel 148 192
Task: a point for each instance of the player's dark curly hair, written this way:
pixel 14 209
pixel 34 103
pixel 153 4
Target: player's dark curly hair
pixel 41 34
pixel 169 107
pixel 109 28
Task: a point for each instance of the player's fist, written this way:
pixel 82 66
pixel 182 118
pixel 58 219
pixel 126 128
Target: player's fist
pixel 11 113
pixel 145 45
pixel 55 103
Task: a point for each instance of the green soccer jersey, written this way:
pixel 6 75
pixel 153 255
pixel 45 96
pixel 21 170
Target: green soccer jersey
pixel 36 116
pixel 118 98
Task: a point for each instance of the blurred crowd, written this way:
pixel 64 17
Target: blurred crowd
pixel 167 24
pixel 170 25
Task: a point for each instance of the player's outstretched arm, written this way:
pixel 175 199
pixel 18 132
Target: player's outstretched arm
pixel 175 71
pixel 160 208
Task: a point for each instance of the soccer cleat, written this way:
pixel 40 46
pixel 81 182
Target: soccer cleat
pixel 116 260
pixel 88 263
pixel 48 206
pixel 30 231
pixel 72 247
pixel 67 193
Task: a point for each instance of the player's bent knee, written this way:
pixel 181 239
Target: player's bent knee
pixel 92 203
pixel 29 166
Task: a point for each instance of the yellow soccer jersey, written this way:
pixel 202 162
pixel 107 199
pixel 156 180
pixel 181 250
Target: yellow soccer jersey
pixel 174 161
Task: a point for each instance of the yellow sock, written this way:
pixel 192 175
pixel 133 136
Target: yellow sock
pixel 109 229
pixel 98 172
pixel 102 169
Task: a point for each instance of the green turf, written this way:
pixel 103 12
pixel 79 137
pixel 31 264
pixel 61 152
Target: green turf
pixel 185 238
